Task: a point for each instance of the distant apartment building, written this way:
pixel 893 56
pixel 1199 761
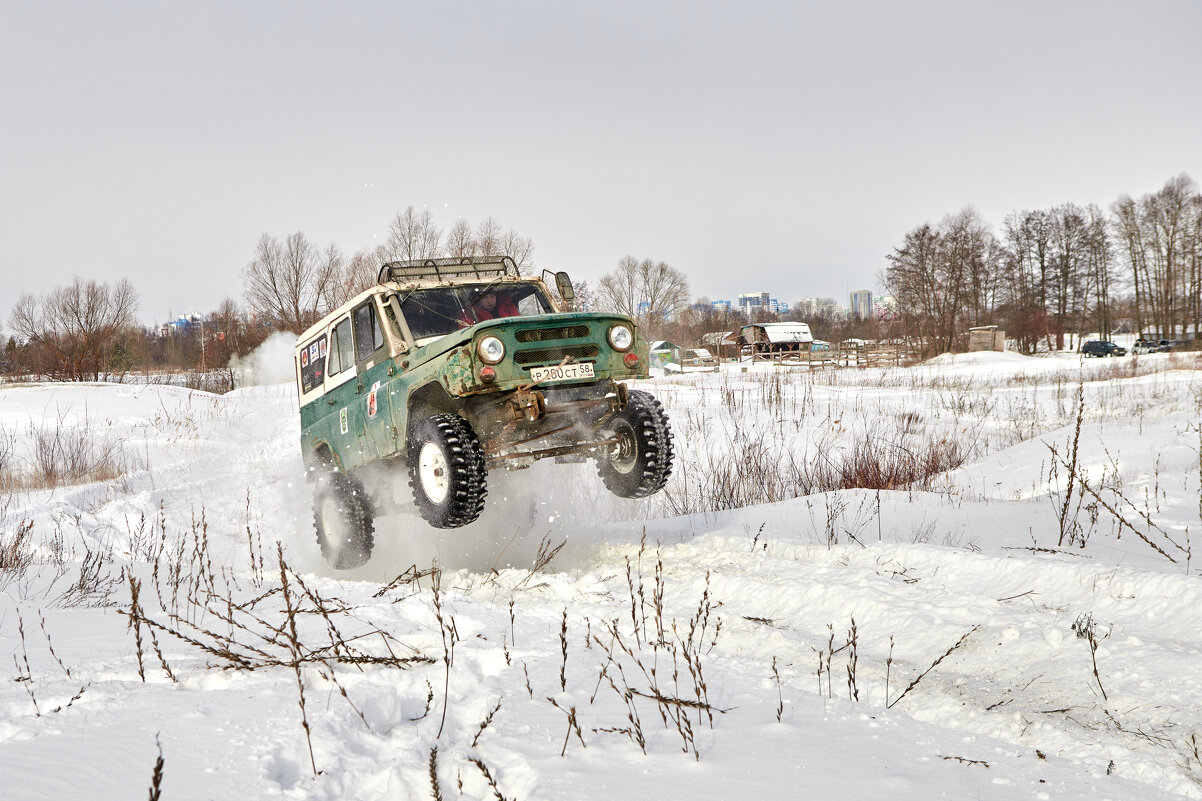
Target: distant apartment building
pixel 751 302
pixel 184 324
pixel 721 306
pixel 884 306
pixel 859 304
pixel 664 315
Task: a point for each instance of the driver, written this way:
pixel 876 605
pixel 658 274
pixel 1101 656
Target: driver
pixel 491 305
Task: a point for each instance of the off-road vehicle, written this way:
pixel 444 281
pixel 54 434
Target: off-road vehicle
pixel 451 367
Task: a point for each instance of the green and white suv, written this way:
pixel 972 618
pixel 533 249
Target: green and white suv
pixel 451 367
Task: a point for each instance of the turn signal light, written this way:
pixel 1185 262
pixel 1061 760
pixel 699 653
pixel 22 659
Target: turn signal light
pixel 488 375
pixel 631 359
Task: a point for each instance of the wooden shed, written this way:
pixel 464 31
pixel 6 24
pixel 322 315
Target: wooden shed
pixel 772 341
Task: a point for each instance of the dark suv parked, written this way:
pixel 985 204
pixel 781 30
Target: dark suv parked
pixel 1102 347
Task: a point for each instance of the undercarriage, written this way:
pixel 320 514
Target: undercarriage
pixel 536 423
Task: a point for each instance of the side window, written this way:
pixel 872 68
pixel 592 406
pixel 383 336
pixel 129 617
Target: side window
pixel 313 363
pixel 342 356
pixel 529 306
pixel 368 336
pixel 530 300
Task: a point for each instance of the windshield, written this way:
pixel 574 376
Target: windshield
pixel 439 311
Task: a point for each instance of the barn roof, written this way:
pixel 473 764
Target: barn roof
pixel 720 338
pixel 785 332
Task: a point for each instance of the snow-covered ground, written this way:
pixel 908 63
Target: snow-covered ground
pixel 970 636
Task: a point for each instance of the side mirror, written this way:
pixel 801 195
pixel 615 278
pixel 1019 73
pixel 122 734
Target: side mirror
pixel 564 284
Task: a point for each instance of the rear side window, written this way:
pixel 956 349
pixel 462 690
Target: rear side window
pixel 368 336
pixel 342 354
pixel 312 363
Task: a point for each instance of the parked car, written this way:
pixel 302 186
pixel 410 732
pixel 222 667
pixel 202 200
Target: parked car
pixel 1102 347
pixel 1155 346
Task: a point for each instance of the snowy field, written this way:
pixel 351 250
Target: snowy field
pixel 1016 613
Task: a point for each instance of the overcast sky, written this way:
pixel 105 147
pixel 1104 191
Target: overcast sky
pixel 781 147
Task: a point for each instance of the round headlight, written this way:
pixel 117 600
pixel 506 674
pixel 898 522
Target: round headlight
pixel 491 350
pixel 621 337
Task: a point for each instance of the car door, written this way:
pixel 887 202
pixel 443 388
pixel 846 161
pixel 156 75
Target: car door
pixel 341 373
pixel 374 370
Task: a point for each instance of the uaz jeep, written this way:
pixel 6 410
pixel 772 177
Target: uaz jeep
pixel 450 367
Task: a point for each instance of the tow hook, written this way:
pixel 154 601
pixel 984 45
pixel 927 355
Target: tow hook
pixel 528 403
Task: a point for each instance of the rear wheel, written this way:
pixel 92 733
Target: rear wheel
pixel 447 471
pixel 640 463
pixel 344 520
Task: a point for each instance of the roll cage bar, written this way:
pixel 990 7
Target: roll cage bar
pixel 479 267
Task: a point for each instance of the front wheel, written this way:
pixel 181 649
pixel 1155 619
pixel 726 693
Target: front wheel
pixel 641 461
pixel 447 471
pixel 343 517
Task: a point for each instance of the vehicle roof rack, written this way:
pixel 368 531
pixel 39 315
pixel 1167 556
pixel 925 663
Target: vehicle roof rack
pixel 482 267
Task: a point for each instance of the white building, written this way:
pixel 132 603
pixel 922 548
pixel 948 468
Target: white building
pixel 859 304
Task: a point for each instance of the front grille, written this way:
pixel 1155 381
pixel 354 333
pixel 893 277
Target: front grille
pixel 550 334
pixel 555 355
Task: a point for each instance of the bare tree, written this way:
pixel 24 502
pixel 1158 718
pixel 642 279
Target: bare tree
pixel 361 271
pixel 1068 258
pixel 518 248
pixel 665 289
pixel 413 236
pixel 651 292
pixel 460 240
pixel 927 296
pixel 1160 239
pixel 972 250
pixel 288 281
pixel 619 291
pixel 1100 262
pixel 1023 268
pixel 82 329
pixel 488 237
pixel 586 295
pixel 330 277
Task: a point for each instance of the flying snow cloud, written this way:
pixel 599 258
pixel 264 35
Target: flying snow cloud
pixel 270 363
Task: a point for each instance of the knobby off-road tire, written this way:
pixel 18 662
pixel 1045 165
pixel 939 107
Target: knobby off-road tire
pixel 446 471
pixel 640 465
pixel 344 519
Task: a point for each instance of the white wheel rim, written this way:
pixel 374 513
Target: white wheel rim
pixel 624 455
pixel 333 523
pixel 433 471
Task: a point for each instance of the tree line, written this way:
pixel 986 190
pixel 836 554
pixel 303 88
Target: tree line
pixel 293 282
pixel 89 330
pixel 1049 273
pixel 1046 274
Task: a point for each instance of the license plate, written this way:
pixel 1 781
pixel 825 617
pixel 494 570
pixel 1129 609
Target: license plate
pixel 565 372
